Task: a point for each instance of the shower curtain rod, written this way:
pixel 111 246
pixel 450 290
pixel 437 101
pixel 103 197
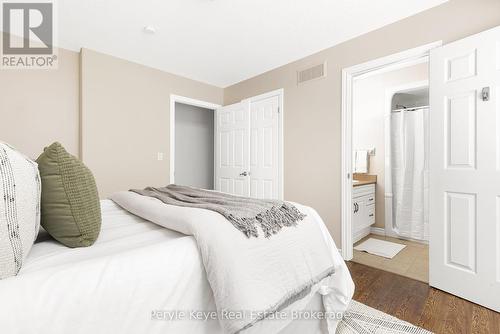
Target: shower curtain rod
pixel 410 109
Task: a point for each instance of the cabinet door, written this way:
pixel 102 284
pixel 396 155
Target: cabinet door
pixel 359 215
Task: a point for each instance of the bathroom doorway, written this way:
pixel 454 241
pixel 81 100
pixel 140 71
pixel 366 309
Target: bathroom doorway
pixel 390 163
pixel 389 185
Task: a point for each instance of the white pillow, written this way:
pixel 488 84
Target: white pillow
pixel 19 209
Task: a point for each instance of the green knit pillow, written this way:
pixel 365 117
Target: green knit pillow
pixel 71 211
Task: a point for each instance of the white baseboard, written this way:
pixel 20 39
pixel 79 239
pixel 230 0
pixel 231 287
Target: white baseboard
pixel 381 231
pixel 377 231
pixel 366 231
pixel 361 234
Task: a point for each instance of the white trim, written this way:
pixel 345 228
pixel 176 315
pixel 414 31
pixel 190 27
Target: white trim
pixel 389 94
pixel 377 231
pixel 346 176
pixel 381 231
pixel 412 56
pixel 192 102
pixel 263 96
pixel 392 67
pixel 361 234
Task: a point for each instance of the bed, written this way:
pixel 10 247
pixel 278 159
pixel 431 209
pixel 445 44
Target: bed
pixel 137 278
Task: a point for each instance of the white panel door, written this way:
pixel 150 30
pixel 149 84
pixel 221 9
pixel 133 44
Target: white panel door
pixel 232 149
pixel 465 169
pixel 264 148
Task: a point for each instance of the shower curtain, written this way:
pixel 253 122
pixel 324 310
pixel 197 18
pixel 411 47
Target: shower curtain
pixel 410 173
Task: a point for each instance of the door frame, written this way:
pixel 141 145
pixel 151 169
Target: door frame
pixel 349 74
pixel 192 102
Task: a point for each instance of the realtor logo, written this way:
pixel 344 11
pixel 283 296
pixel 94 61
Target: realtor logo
pixel 28 35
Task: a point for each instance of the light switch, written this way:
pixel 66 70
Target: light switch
pixel 160 156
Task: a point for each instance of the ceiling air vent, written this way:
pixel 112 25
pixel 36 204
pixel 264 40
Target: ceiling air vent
pixel 311 73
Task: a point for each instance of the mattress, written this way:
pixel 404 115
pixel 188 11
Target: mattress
pixel 134 272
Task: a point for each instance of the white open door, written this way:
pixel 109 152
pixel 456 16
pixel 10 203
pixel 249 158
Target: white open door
pixel 231 149
pixel 465 168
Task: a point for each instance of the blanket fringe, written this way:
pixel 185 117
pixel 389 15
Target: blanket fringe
pixel 271 221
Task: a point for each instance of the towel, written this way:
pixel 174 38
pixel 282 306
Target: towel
pixel 361 161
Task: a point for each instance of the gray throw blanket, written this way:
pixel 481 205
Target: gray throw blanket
pixel 244 213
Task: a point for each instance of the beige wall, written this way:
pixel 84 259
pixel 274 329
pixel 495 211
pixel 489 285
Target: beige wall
pixel 38 107
pixel 112 113
pixel 368 121
pixel 312 111
pixel 126 120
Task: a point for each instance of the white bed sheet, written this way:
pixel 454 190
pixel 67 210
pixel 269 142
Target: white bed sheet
pixel 133 269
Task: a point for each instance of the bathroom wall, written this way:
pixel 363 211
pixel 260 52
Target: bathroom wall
pixel 412 98
pixel 370 107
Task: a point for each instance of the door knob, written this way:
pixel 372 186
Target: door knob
pixel 485 94
pixel 245 173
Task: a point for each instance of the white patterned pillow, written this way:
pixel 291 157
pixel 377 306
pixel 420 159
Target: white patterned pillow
pixel 19 209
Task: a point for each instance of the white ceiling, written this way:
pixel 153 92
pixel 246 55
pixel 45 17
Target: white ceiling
pixel 222 42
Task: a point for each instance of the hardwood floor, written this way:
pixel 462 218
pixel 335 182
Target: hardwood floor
pixel 419 304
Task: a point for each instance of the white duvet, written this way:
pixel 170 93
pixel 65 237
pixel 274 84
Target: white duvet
pixel 254 280
pixel 134 272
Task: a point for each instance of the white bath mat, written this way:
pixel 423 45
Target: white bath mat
pixel 379 247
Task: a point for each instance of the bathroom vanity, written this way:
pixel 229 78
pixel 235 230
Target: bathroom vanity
pixel 363 198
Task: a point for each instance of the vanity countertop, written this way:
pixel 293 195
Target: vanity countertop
pixel 357 183
pixel 363 179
